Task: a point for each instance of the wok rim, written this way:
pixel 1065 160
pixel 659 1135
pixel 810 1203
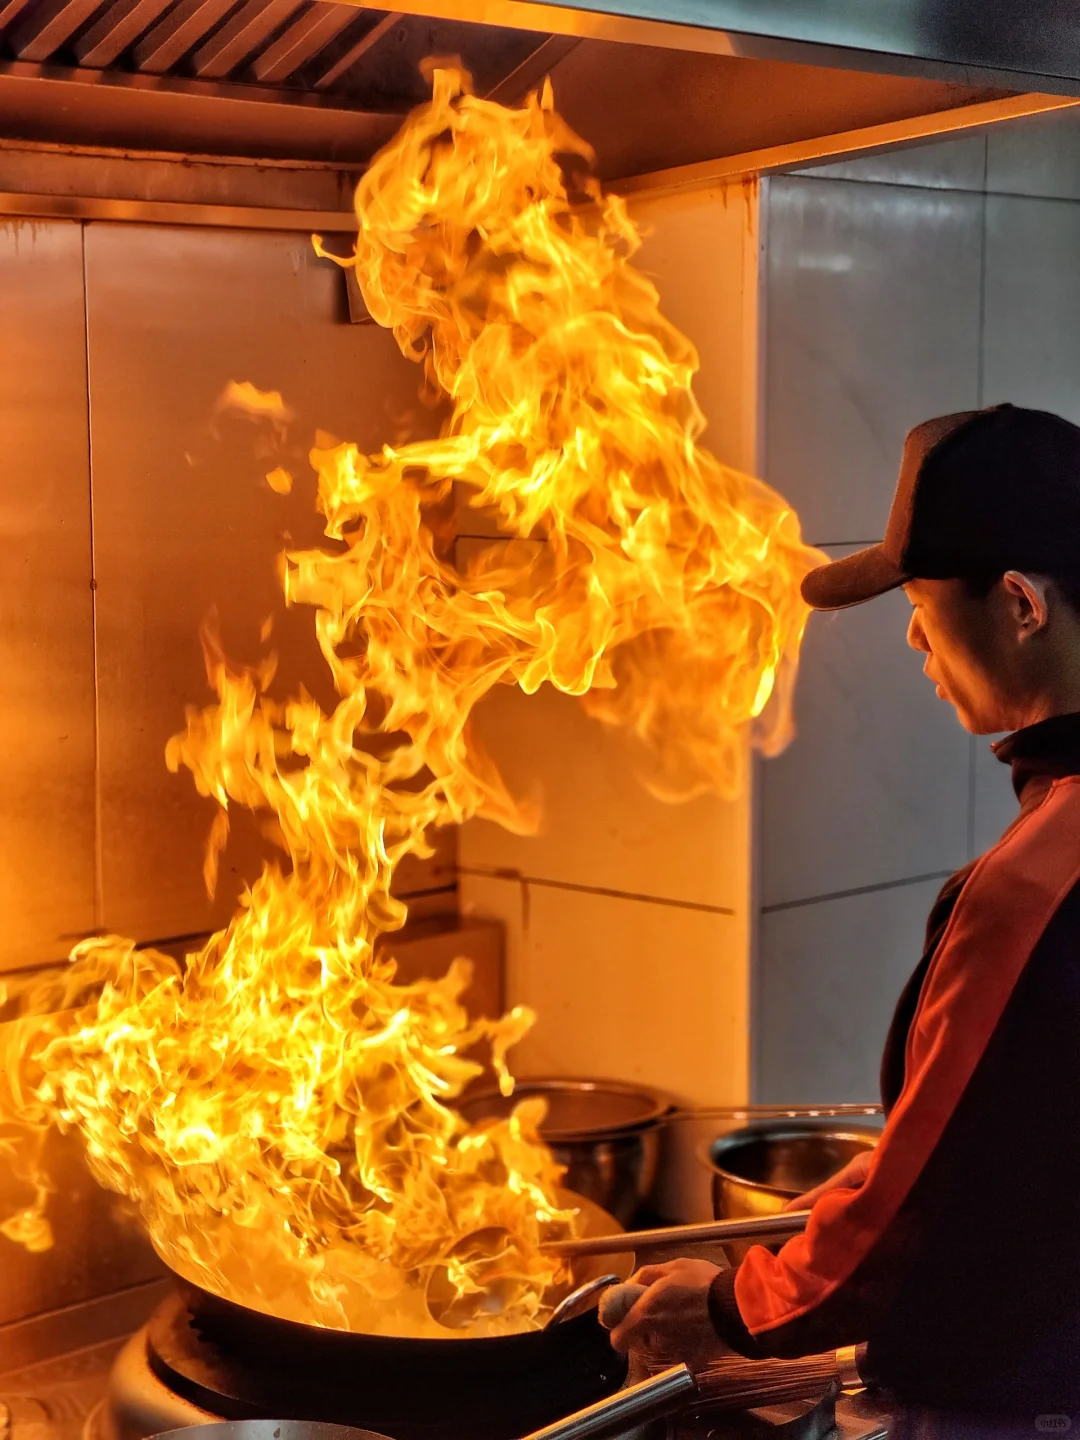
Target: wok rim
pixel 208 1301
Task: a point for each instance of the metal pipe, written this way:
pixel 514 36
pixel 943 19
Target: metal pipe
pixel 636 1405
pixel 788 1222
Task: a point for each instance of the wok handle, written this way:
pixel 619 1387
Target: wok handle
pixel 637 1404
pixel 788 1222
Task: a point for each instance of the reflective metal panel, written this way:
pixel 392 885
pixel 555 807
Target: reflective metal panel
pixel 872 324
pixel 98 1246
pixel 46 630
pixel 1031 342
pixel 184 519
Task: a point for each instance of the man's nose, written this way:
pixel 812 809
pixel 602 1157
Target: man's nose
pixel 916 635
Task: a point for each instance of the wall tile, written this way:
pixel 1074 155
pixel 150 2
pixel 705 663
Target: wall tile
pixel 599 824
pixel 872 323
pixel 700 249
pixel 1032 329
pixel 624 989
pixel 875 785
pixel 1037 156
pixel 828 978
pixel 958 164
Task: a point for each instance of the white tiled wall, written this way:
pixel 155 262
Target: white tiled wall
pixel 628 920
pixel 898 287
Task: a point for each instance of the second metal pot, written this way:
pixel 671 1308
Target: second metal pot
pixel 758 1169
pixel 606 1133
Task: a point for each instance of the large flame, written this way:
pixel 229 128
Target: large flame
pixel 278 1105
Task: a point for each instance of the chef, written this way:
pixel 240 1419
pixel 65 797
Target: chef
pixel 954 1249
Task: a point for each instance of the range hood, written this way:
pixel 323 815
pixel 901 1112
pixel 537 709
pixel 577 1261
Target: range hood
pixel 668 91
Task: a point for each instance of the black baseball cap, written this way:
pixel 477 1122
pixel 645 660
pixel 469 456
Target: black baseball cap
pixel 979 493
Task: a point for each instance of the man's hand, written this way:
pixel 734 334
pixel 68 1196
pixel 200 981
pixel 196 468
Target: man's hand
pixel 671 1320
pixel 852 1177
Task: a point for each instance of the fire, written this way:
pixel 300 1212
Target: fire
pixel 278 1106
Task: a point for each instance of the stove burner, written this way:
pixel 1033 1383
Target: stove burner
pixel 408 1389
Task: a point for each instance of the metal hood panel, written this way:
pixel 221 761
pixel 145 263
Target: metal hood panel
pixel 651 83
pixel 1033 45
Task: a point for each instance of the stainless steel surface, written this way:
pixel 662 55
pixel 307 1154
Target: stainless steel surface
pixel 305 37
pixel 119 26
pixel 46 603
pixel 97 1249
pixel 792 1222
pixel 357 51
pixel 137 1403
pixel 606 1134
pixel 160 112
pixel 964 38
pixel 778 1161
pixel 244 31
pixel 79 1326
pixel 892 135
pixel 46 26
pixel 269 1430
pixel 759 1169
pixel 635 1405
pixel 580 1299
pixel 746 1113
pixel 182 25
pixel 708 97
pixel 184 520
pixel 12 9
pixel 154 212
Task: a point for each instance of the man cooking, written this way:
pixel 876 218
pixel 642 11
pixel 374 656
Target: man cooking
pixel 954 1249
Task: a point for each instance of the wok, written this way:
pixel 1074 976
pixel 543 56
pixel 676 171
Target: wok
pixel 246 1364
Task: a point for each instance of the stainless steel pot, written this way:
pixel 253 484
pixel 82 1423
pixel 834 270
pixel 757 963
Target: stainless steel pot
pixel 606 1133
pixel 758 1169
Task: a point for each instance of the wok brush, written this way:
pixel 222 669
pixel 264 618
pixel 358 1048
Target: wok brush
pixel 733 1383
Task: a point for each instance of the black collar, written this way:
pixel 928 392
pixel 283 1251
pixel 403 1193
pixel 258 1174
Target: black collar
pixel 1042 752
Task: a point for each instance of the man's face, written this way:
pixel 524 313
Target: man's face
pixel 970 651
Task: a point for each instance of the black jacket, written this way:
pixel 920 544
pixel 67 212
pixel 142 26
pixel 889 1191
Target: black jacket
pixel 958 1262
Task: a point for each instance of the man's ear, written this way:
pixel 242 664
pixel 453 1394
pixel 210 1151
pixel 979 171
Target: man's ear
pixel 1028 602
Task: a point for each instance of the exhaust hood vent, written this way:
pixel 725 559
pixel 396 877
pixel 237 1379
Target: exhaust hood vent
pixel 662 85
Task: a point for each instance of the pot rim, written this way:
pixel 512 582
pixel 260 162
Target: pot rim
pixel 661 1105
pixel 789 1131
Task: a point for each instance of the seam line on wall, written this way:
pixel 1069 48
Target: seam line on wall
pixel 99 854
pixel 932 189
pixel 516 877
pixel 856 890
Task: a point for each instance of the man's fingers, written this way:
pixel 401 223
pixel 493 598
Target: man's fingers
pixel 649 1274
pixel 633 1327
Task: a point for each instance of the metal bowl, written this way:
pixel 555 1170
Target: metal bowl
pixel 758 1169
pixel 607 1135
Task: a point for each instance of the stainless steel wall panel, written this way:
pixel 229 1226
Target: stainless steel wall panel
pixel 1032 327
pixel 872 325
pixel 184 519
pixel 1040 156
pixel 957 164
pixel 46 621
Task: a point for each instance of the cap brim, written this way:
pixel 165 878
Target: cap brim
pixel 852 580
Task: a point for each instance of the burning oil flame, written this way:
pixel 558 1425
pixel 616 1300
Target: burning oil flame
pixel 278 1105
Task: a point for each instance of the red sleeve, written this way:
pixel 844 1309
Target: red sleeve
pixel 828 1286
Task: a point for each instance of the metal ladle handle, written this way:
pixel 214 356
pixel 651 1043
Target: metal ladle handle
pixel 648 1400
pixel 578 1300
pixel 788 1222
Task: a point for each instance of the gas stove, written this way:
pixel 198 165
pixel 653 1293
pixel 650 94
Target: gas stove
pixel 132 1389
pixel 166 1376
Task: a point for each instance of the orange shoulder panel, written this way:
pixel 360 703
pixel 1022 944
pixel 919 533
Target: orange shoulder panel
pixel 1000 915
